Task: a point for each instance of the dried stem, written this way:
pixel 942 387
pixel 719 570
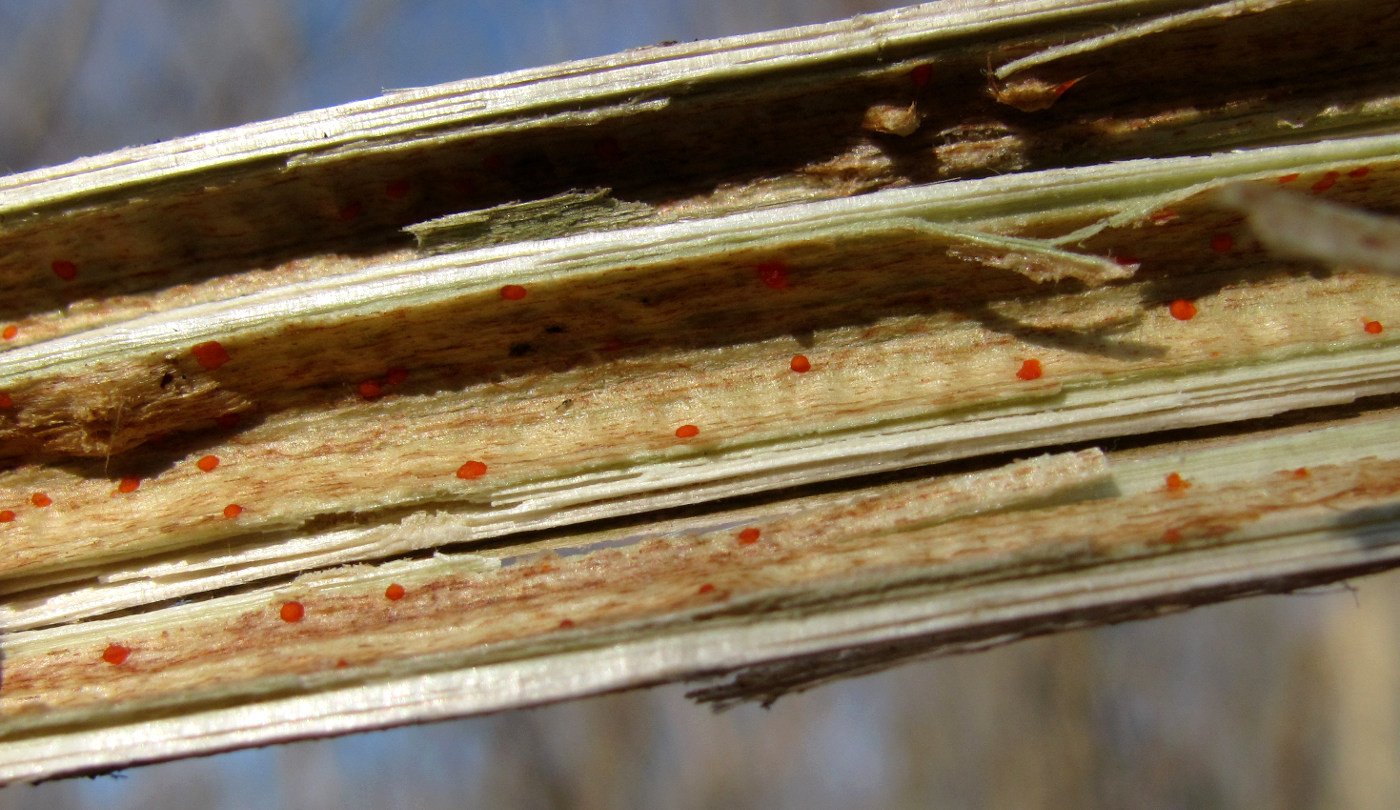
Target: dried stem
pixel 678 365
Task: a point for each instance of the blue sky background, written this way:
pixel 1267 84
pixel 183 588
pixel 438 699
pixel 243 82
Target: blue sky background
pixel 85 76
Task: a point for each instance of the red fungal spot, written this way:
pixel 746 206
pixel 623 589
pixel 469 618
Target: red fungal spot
pixel 1175 483
pixel 1063 86
pixel 1171 536
pixel 707 588
pixel 1030 370
pixel 1360 172
pixel 512 292
pixel 115 654
pixel 6 401
pixel 342 664
pixel 6 515
pixel 210 354
pixel 397 189
pixel 801 364
pixel 1163 216
pixel 920 76
pixel 1328 180
pixel 233 510
pixel 748 536
pixel 65 270
pixel 1222 242
pixel 1127 261
pixel 370 389
pixel 40 500
pixel 10 332
pixel 1301 472
pixel 472 469
pixel 1182 309
pixel 566 624
pixel 129 485
pixel 351 211
pixel 293 612
pixel 608 150
pixel 396 376
pixel 1288 178
pixel 773 274
pixel 227 420
pixel 687 432
pixel 1374 327
pixel 207 463
pixel 394 592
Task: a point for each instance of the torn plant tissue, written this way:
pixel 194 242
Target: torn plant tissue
pixel 1294 225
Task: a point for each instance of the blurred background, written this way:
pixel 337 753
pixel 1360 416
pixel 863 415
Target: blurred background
pixel 1281 702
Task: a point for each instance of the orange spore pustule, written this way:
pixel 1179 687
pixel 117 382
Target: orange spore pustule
pixel 64 269
pixel 292 612
pixel 1327 181
pixel 210 354
pixel 774 274
pixel 1182 310
pixel 471 469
